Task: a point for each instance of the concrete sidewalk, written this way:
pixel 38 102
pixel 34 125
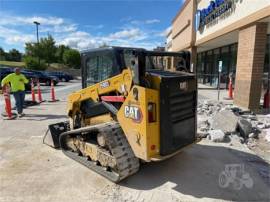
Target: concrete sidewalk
pixel 212 94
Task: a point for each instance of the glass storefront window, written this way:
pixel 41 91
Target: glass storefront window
pixel 216 58
pixel 225 58
pixel 266 64
pixel 208 68
pixel 233 59
pixel 208 64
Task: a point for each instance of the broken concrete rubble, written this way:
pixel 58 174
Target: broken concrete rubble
pixel 260 126
pixel 245 127
pixel 202 134
pixel 267 135
pixel 226 121
pixel 253 135
pixel 216 136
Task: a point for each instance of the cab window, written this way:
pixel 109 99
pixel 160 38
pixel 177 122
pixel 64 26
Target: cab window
pixel 100 67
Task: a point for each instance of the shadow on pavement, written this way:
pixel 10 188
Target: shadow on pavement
pixel 42 117
pixel 196 172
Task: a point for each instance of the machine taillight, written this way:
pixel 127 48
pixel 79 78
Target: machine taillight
pixel 153 147
pixel 152 112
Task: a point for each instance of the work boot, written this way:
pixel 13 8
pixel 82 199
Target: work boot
pixel 21 115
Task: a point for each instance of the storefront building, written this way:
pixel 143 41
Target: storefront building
pixel 227 37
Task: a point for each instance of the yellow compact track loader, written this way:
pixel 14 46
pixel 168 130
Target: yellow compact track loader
pixel 129 110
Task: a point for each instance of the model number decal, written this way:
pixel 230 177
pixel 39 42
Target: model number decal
pixel 133 113
pixel 183 86
pixel 105 84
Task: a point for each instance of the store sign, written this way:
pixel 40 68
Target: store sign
pixel 215 9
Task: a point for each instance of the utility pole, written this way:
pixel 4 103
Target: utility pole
pixel 37 24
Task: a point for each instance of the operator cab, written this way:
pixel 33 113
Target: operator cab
pixel 103 63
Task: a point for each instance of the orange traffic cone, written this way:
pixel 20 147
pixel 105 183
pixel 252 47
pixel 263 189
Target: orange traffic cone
pixel 53 93
pixel 6 92
pixel 230 89
pixel 39 92
pixel 33 91
pixel 230 92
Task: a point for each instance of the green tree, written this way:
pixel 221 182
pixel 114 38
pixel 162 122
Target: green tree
pixel 45 50
pixel 14 55
pixel 32 49
pixel 72 58
pixel 2 54
pixel 47 45
pixel 33 63
pixel 60 52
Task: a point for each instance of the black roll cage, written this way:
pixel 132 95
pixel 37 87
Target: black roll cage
pixel 119 62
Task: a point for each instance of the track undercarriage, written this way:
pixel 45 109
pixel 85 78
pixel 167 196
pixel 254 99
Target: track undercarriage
pixel 102 148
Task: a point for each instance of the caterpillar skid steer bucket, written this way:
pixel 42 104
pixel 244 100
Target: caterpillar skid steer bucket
pixel 51 137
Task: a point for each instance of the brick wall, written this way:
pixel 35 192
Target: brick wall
pixel 250 62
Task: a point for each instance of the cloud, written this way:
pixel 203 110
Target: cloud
pixel 165 32
pixel 152 21
pixel 83 40
pixel 18 20
pixel 12 36
pixel 144 22
pixel 79 40
pixel 59 28
pixel 17 30
pixel 131 34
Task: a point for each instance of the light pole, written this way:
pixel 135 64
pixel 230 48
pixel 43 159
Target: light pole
pixel 37 24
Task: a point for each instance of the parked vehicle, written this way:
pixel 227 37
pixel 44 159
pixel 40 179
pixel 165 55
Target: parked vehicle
pixel 4 72
pixel 43 77
pixel 62 76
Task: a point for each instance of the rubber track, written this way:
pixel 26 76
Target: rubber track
pixel 127 163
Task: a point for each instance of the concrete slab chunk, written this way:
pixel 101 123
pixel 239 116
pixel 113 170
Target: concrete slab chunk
pixel 226 121
pixel 245 127
pixel 216 136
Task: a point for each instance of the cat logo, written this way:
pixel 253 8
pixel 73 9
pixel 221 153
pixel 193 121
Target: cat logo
pixel 133 113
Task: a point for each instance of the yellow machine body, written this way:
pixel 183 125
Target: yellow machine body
pixel 142 136
pixel 129 109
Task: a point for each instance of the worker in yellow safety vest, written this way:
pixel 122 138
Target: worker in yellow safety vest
pixel 17 81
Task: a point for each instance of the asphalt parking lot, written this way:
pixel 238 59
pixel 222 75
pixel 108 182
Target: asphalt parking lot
pixel 62 89
pixel 31 171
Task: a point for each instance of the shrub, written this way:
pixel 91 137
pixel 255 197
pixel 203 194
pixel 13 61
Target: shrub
pixel 72 58
pixel 33 63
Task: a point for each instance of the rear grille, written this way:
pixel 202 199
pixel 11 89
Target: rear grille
pixel 182 106
pixel 177 115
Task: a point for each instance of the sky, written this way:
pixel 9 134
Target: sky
pixel 87 23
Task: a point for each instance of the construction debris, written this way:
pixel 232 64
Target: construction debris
pixel 216 136
pixel 253 135
pixel 226 121
pixel 245 127
pixel 267 135
pixel 217 121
